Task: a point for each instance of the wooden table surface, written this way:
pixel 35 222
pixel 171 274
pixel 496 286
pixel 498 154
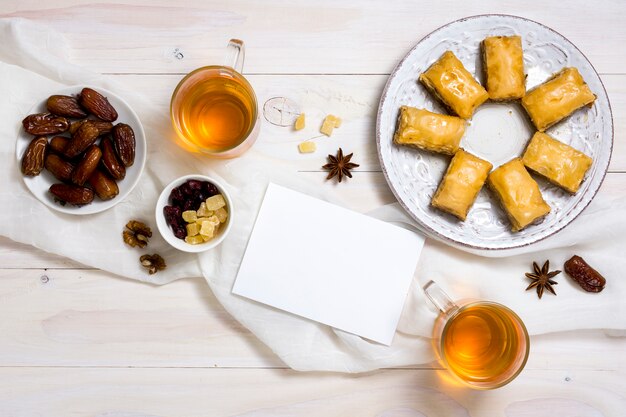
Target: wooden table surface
pixel 75 341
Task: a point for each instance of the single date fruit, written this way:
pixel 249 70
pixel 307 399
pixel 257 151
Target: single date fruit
pixel 72 194
pixel 66 106
pixel 87 165
pixel 110 161
pixel 124 143
pixel 105 187
pixel 58 144
pixel 59 167
pixel 97 104
pixel 588 278
pixel 45 124
pixel 103 127
pixel 34 157
pixel 84 137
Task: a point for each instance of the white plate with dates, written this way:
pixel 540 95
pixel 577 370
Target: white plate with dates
pixel 497 132
pixel 40 184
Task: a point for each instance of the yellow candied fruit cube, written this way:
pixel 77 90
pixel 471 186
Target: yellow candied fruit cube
pixel 337 121
pixel 194 240
pixel 203 211
pixel 221 214
pixel 307 147
pixel 204 219
pixel 215 202
pixel 190 216
pixel 207 229
pixel 327 126
pixel 214 220
pixel 206 238
pixel 193 229
pixel 299 124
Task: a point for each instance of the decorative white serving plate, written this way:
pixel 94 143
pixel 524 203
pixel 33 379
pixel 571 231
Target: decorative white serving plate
pixel 497 132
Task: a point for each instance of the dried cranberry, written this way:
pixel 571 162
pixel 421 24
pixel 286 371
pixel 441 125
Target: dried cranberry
pixel 172 214
pixel 210 189
pixel 194 184
pixel 186 189
pixel 180 232
pixel 176 195
pixel 179 204
pixel 188 205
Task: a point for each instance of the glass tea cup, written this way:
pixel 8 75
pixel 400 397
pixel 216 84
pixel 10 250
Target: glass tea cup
pixel 484 344
pixel 214 109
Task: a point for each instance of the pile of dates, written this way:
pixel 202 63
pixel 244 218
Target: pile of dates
pixel 77 142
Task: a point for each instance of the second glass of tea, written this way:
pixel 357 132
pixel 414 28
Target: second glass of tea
pixel 214 109
pixel 484 344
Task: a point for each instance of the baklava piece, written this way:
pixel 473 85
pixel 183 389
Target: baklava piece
pixel 429 131
pixel 564 93
pixel 503 64
pixel 461 184
pixel 559 163
pixel 449 81
pixel 518 194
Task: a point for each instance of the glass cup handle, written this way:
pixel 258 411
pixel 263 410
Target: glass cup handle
pixel 439 298
pixel 235 54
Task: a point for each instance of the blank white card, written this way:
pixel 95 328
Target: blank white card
pixel 329 264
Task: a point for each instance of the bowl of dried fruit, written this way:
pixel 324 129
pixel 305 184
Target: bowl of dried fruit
pixel 81 150
pixel 194 213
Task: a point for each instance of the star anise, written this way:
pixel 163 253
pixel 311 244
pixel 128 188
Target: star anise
pixel 339 166
pixel 542 278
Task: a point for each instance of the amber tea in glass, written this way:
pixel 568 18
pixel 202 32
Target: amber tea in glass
pixel 484 344
pixel 214 108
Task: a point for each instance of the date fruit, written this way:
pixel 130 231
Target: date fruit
pixel 105 187
pixel 34 157
pixel 84 137
pixel 45 124
pixel 103 127
pixel 87 165
pixel 124 143
pixel 58 144
pixel 59 167
pixel 66 106
pixel 110 161
pixel 97 104
pixel 72 194
pixel 588 278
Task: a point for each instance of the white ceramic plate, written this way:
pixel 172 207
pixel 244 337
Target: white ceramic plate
pixel 40 184
pixel 497 132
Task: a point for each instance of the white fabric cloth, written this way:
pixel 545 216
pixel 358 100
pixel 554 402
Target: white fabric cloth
pixel 34 64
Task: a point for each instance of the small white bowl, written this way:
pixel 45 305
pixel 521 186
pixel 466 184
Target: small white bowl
pixel 166 230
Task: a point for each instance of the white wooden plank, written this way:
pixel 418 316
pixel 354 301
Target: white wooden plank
pixel 326 36
pixel 90 318
pixel 128 392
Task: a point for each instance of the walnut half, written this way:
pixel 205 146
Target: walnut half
pixel 137 234
pixel 153 263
